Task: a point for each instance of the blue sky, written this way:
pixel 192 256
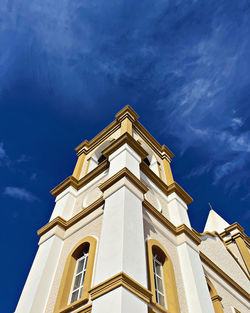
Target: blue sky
pixel 67 67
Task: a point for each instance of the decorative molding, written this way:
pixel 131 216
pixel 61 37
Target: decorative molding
pixel 86 309
pixel 175 230
pixel 224 276
pixel 59 221
pixel 170 287
pixel 119 175
pixel 225 243
pixel 127 112
pixel 78 184
pixel 174 187
pixel 119 280
pixel 62 305
pixel 151 141
pixel 125 139
pixel 106 132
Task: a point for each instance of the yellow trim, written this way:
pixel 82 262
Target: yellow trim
pixel 168 172
pixel 59 221
pixel 78 184
pixel 125 138
pixel 175 230
pixel 99 138
pixel 174 187
pixel 243 249
pixel 125 172
pixel 223 275
pixel 86 309
pixel 151 141
pixel 168 273
pixel 118 280
pixel 62 305
pixel 216 299
pixel 126 126
pixel 126 111
pixel 225 243
pixel 79 165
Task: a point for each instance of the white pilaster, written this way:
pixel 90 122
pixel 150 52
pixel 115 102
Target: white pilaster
pixel 119 300
pixel 65 204
pixel 195 286
pixel 38 284
pixel 122 247
pixel 124 157
pixel 177 210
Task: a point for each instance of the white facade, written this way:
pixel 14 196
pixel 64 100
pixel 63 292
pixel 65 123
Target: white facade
pixel 123 211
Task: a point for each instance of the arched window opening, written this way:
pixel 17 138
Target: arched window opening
pixel 161 278
pixel 101 159
pixel 146 160
pixel 159 281
pixel 77 276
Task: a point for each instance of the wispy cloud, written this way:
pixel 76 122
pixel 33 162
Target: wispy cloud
pixel 19 193
pixel 189 61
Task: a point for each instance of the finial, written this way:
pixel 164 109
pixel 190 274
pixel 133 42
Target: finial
pixel 211 208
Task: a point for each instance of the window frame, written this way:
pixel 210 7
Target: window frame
pixel 83 271
pixel 63 304
pixel 171 296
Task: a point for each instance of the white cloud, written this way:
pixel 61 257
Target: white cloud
pixel 19 193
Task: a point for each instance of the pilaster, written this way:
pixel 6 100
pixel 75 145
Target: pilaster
pixel 38 284
pixel 65 203
pixel 122 247
pixel 193 278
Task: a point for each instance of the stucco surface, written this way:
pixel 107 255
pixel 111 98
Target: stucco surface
pixel 215 250
pixel 155 230
pixel 93 228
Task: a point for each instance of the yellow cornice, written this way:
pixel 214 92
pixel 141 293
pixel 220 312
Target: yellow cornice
pixel 152 142
pixel 174 187
pixel 106 132
pixel 175 230
pixel 59 221
pixel 78 184
pixel 119 175
pixel 223 275
pixel 128 112
pixel 119 280
pixel 125 139
pixel 86 309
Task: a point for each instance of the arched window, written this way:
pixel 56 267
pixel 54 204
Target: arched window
pixel 77 276
pixel 216 299
pixel 101 159
pixel 161 277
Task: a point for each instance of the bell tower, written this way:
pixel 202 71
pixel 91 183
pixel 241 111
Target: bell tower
pixel 119 239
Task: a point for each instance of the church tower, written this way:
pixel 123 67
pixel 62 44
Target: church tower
pixel 119 239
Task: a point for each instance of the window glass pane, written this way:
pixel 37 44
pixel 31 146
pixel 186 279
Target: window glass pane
pixel 80 265
pixel 74 296
pixel 160 284
pixel 77 281
pixel 158 268
pixel 161 299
